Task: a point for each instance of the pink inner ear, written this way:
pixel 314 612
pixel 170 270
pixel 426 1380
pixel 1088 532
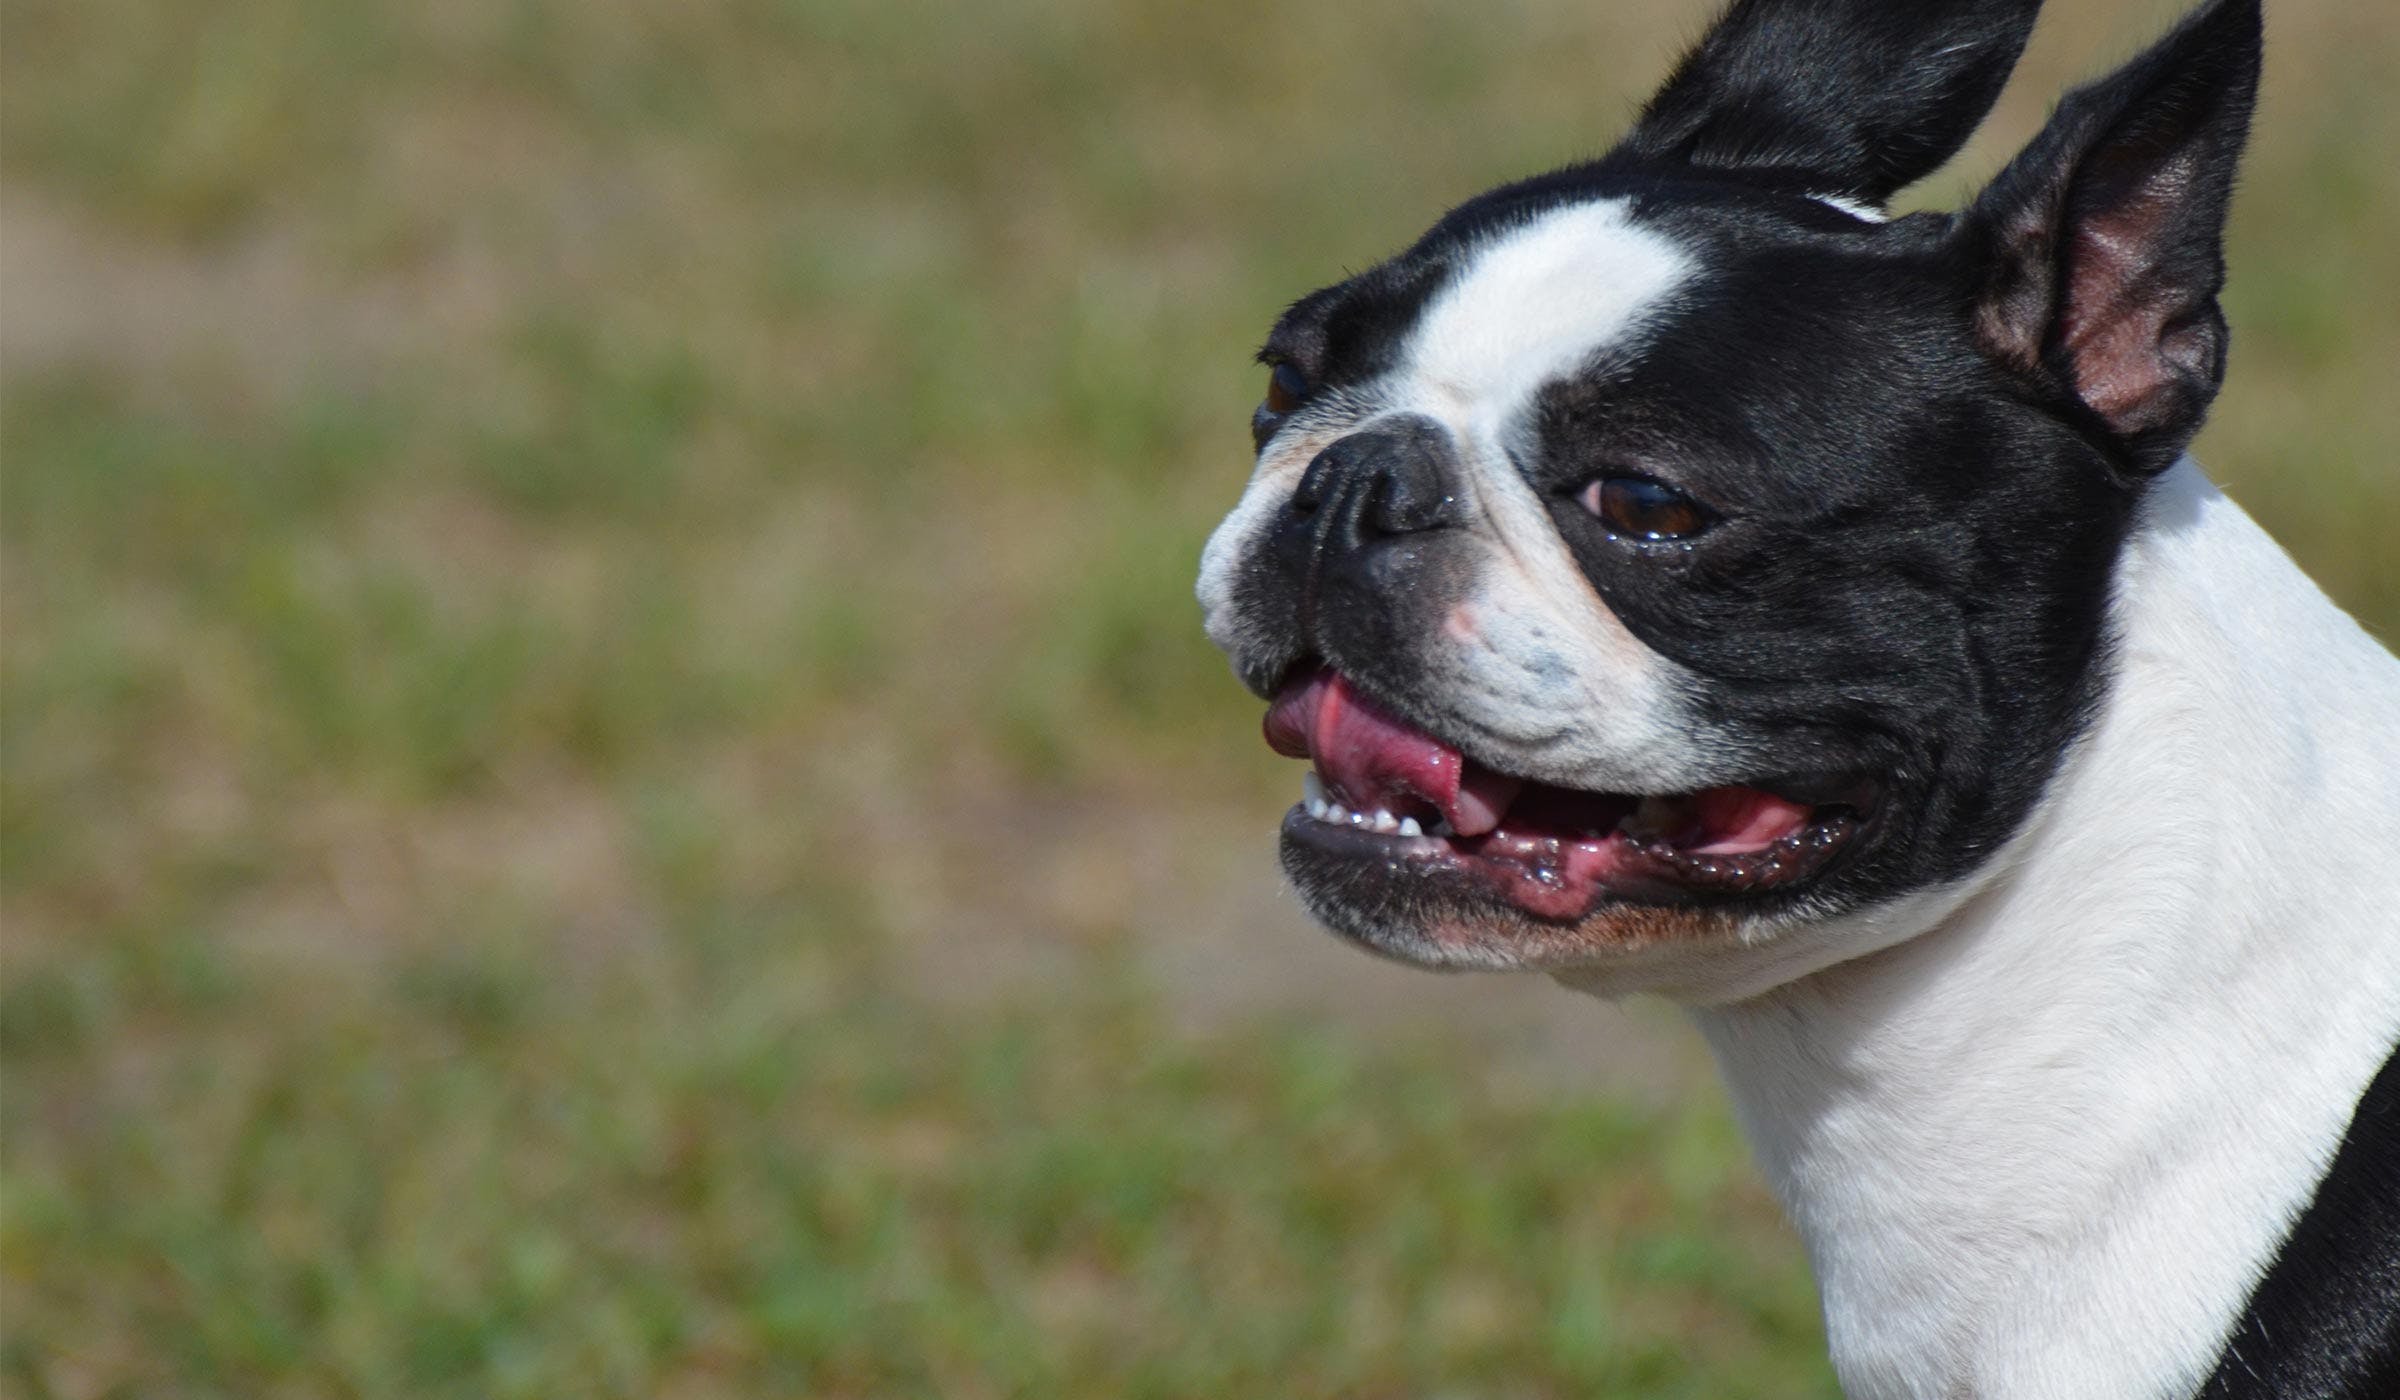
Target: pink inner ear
pixel 2114 319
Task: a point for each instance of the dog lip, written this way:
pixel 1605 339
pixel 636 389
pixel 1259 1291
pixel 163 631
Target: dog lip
pixel 1560 880
pixel 1269 679
pixel 1830 788
pixel 1394 802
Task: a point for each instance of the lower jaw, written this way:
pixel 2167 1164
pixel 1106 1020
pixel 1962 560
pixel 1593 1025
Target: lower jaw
pixel 1446 918
pixel 1559 878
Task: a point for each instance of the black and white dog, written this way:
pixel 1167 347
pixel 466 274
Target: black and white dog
pixel 1685 579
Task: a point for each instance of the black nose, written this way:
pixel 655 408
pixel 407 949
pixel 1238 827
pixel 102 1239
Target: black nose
pixel 1395 478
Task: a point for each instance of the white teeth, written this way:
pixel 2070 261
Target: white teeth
pixel 1325 809
pixel 1312 794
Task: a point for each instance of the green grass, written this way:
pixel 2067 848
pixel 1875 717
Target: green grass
pixel 603 718
pixel 465 1178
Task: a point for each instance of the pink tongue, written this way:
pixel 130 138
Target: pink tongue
pixel 1375 761
pixel 1738 819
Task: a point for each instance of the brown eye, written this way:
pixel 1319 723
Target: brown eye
pixel 1638 508
pixel 1286 387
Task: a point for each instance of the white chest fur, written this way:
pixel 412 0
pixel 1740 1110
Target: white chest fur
pixel 2045 1148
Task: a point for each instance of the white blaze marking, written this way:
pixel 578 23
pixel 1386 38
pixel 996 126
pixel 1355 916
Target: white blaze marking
pixel 1546 682
pixel 1536 304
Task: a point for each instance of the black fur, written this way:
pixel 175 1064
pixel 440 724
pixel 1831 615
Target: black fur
pixel 2324 1323
pixel 1911 575
pixel 1923 443
pixel 1854 98
pixel 1910 578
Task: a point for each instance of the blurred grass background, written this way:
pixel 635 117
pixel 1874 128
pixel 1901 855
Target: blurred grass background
pixel 611 785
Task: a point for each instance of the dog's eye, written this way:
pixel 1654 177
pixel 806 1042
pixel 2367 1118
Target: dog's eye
pixel 1636 507
pixel 1287 389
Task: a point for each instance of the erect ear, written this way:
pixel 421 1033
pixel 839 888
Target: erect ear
pixel 1849 98
pixel 2101 246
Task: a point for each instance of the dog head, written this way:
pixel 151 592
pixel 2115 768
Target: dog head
pixel 1669 557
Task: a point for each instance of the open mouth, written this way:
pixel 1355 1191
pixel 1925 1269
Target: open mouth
pixel 1382 789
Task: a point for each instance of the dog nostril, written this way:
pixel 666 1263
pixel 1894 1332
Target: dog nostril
pixel 1317 481
pixel 1391 481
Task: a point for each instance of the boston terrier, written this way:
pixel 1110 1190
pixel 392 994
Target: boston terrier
pixel 1685 578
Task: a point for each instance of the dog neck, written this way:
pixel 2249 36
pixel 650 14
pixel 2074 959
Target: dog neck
pixel 2046 1146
